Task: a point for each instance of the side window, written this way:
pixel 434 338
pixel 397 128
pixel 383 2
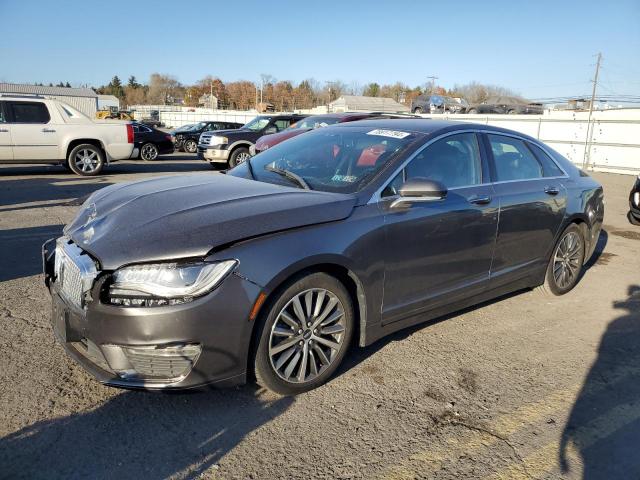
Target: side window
pixel 2 119
pixel 453 161
pixel 282 124
pixel 29 112
pixel 513 160
pixel 392 188
pixel 549 167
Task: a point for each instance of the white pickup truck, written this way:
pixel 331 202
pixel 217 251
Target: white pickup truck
pixel 38 130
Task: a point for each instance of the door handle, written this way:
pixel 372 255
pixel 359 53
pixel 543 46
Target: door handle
pixel 480 199
pixel 48 130
pixel 4 130
pixel 551 190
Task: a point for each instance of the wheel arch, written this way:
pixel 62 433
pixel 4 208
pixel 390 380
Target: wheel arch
pixel 334 268
pixel 79 141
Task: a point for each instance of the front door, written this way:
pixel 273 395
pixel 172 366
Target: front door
pixel 6 150
pixel 439 251
pixel 33 134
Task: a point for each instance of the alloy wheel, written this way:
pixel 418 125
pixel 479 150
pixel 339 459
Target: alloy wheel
pixel 566 260
pixel 307 335
pixel 149 152
pixel 191 146
pixel 242 157
pixel 87 160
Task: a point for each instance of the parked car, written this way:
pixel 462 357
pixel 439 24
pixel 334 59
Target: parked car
pixel 151 142
pixel 438 104
pixel 232 146
pixel 355 230
pixel 509 105
pixel 187 140
pixel 306 124
pixel 38 130
pixel 634 203
pixel 153 120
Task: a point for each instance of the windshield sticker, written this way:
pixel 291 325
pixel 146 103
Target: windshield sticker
pixel 344 178
pixel 388 133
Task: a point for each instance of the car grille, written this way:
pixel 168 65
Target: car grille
pixel 74 270
pixel 169 364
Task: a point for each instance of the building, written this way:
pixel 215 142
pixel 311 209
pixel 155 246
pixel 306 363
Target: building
pixel 106 102
pixel 82 99
pixel 208 101
pixel 354 103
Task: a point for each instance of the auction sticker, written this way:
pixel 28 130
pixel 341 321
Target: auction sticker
pixel 389 133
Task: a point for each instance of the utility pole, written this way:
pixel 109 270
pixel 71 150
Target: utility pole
pixel 433 82
pixel 587 143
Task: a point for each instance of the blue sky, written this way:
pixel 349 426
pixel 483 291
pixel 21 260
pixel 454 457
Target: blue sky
pixel 537 48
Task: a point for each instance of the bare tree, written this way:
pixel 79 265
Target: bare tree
pixel 163 88
pixel 476 92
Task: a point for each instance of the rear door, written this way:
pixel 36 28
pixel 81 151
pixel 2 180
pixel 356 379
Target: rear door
pixel 532 206
pixel 6 150
pixel 33 133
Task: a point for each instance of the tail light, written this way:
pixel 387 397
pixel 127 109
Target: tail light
pixel 129 133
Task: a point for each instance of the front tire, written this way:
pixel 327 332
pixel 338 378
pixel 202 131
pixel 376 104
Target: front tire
pixel 86 160
pixel 238 156
pixel 565 265
pixel 306 333
pixel 417 110
pixel 149 152
pixel 472 111
pixel 190 146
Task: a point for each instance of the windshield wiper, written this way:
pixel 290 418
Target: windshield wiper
pixel 290 175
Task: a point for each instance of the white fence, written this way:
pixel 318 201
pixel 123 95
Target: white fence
pixel 612 144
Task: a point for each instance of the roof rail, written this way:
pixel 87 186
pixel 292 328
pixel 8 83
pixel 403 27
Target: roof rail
pixel 21 95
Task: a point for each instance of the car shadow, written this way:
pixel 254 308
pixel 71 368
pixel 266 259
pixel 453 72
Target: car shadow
pixel 601 244
pixel 54 191
pixel 140 435
pixel 603 429
pixel 22 247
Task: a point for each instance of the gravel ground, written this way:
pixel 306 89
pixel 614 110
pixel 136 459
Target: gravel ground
pixel 526 386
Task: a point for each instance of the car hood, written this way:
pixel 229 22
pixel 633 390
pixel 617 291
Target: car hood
pixel 276 138
pixel 188 216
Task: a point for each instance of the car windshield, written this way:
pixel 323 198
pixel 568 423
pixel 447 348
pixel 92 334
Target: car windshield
pixel 313 122
pixel 333 159
pixel 257 123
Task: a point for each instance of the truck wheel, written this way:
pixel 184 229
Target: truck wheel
pixel 239 155
pixel 190 146
pixel 148 152
pixel 472 111
pixel 86 160
pixel 417 110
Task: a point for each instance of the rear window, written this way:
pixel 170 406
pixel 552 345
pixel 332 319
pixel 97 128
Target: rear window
pixel 29 112
pixel 548 165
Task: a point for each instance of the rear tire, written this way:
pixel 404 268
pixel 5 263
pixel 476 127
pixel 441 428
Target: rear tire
pixel 472 111
pixel 417 110
pixel 190 146
pixel 305 334
pixel 565 264
pixel 149 152
pixel 86 160
pixel 238 156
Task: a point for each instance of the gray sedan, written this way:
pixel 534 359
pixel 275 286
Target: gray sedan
pixel 329 240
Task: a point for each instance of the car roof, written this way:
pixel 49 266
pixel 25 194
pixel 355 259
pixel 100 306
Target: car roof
pixel 426 126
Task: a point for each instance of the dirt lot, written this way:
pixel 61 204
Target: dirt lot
pixel 523 387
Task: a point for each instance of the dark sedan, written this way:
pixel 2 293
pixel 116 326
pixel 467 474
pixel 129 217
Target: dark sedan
pixel 151 142
pixel 187 139
pixel 508 105
pixel 634 203
pixel 348 232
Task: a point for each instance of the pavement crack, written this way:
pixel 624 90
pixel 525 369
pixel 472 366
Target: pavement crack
pixel 478 428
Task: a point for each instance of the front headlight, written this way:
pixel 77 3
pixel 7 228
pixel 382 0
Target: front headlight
pixel 166 283
pixel 216 140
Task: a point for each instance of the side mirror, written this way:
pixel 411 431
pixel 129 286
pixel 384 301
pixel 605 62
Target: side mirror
pixel 270 130
pixel 419 190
